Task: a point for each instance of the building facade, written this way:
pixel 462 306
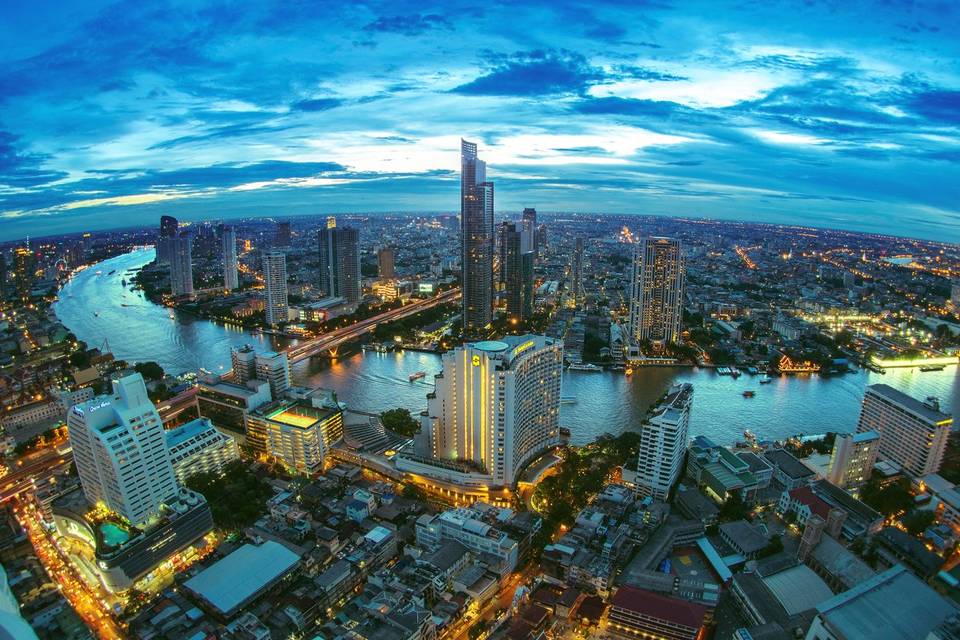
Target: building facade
pixel 273 368
pixel 913 434
pixel 168 230
pixel 339 261
pixel 852 459
pixel 497 404
pixel 517 266
pixel 386 263
pixel 296 432
pixel 275 281
pixel 477 240
pixel 181 264
pixel 663 443
pixel 197 447
pixel 120 452
pixel 230 278
pixel 576 272
pixel 656 298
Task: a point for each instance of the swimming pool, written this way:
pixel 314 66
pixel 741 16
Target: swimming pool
pixel 113 535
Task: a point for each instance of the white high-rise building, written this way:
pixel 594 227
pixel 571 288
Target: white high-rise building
pixel 663 443
pixel 913 434
pixel 181 264
pixel 656 298
pixel 497 404
pixel 243 359
pixel 273 368
pixel 852 459
pixel 275 279
pixel 120 451
pixel 198 447
pixel 230 278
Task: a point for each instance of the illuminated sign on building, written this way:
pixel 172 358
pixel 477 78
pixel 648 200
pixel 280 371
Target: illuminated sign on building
pixel 523 347
pixel 476 361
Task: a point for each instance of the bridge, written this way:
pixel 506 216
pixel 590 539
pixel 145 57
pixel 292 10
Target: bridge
pixel 330 341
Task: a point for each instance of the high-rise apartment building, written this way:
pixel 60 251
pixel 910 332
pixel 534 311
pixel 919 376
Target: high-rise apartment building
pixel 295 431
pixel 663 443
pixel 181 264
pixel 120 451
pixel 497 404
pixel 243 360
pixel 528 221
pixel 852 459
pixel 24 271
pixel 576 272
pixel 477 240
pixel 229 239
pixel 339 261
pixel 282 238
pixel 385 262
pixel 913 434
pixel 168 230
pixel 656 299
pixel 517 269
pixel 273 368
pixel 275 280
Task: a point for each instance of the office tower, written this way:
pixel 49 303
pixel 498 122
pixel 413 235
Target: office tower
pixel 913 434
pixel 477 238
pixel 230 278
pixel 275 280
pixel 529 223
pixel 295 431
pixel 24 271
pixel 663 443
pixel 385 262
pixel 243 359
pixel 656 299
pixel 852 459
pixel 282 238
pixel 120 452
pixel 497 404
pixel 541 239
pixel 517 269
pixel 576 272
pixel 273 368
pixel 205 243
pixel 339 261
pixel 168 231
pixel 181 264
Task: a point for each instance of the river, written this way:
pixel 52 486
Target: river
pixel 96 306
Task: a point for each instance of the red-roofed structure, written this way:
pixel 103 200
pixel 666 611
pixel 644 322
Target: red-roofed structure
pixel 637 613
pixel 803 502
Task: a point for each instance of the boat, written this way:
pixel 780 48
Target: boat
pixel 932 367
pixel 417 375
pixel 749 435
pixel 96 313
pixel 584 367
pixel 567 399
pixel 766 379
pixel 749 394
pixel 112 272
pixel 124 304
pixel 628 371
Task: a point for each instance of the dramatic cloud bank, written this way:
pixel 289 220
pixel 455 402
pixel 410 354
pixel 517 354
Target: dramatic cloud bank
pixel 837 114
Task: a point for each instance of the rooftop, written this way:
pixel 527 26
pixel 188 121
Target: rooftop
pixel 298 414
pixel 186 431
pixel 797 589
pixel 804 495
pixel 231 581
pixel 655 605
pixel 788 464
pixel 922 409
pixel 894 605
pixel 838 561
pixel 745 535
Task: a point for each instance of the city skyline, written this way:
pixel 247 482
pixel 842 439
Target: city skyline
pixel 797 113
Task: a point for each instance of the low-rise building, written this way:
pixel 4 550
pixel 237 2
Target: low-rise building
pixel 638 613
pixel 788 471
pixel 295 431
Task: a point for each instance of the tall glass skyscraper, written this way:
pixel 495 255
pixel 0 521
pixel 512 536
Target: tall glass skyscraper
pixel 576 275
pixel 230 278
pixel 517 269
pixel 275 280
pixel 181 264
pixel 339 261
pixel 477 240
pixel 656 299
pixel 168 231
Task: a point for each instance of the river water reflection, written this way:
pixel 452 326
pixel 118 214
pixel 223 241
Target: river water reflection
pixel 98 307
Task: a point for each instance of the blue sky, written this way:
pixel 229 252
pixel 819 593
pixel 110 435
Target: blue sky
pixel 836 113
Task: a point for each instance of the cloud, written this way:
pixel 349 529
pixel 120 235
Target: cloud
pixel 534 73
pixel 409 25
pixel 317 104
pixel 18 169
pixel 942 105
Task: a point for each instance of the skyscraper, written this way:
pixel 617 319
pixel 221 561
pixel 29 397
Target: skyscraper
pixel 663 443
pixel 272 367
pixel 244 362
pixel 576 272
pixel 24 271
pixel 181 264
pixel 230 278
pixel 168 230
pixel 852 459
pixel 497 404
pixel 517 269
pixel 529 222
pixel 339 261
pixel 282 238
pixel 120 451
pixel 275 280
pixel 656 299
pixel 385 262
pixel 913 434
pixel 477 240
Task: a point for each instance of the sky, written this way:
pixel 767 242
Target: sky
pixel 833 113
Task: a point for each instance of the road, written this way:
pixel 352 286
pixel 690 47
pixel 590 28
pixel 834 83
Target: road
pixel 20 478
pixel 337 337
pixel 460 629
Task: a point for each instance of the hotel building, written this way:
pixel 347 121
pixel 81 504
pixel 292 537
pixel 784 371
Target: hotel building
pixel 197 447
pixel 298 432
pixel 913 434
pixel 496 405
pixel 663 443
pixel 852 459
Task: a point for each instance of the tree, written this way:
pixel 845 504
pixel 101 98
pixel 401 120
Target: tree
pixel 734 509
pixel 774 547
pixel 889 499
pixel 918 520
pixel 400 421
pixel 149 370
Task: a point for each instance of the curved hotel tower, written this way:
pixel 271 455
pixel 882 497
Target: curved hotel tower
pixel 496 406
